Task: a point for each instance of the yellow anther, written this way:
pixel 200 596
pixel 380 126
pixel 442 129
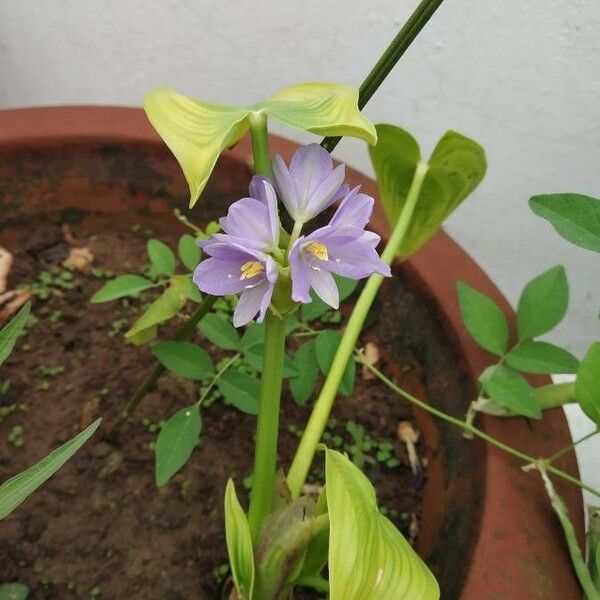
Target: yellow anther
pixel 250 269
pixel 317 249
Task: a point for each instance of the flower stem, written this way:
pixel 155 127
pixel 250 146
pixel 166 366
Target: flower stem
pixel 404 38
pixel 557 394
pixel 267 425
pixel 320 414
pixel 260 144
pixel 593 537
pixel 581 570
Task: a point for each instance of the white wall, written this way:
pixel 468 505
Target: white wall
pixel 522 78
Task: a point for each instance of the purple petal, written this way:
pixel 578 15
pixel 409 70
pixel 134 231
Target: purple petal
pixel 285 186
pixel 355 210
pixel 309 166
pixel 251 302
pixel 325 194
pixel 219 277
pixel 253 221
pixel 355 259
pixel 300 275
pixel 256 188
pixel 325 287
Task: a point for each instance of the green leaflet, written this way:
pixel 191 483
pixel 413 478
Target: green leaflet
pixel 240 390
pixel 455 168
pixel 368 557
pixel 305 361
pixel 14 591
pixel 574 216
pixel 15 490
pixel 184 359
pixel 239 544
pixel 12 330
pixel 189 251
pixel 511 391
pixel 541 357
pixel 326 345
pixel 483 319
pixel 197 131
pixel 166 306
pixel 125 285
pixel 161 257
pixel 543 303
pixel 220 332
pixel 178 437
pixel 587 385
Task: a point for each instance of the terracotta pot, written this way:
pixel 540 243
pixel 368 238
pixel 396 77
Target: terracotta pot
pixel 487 530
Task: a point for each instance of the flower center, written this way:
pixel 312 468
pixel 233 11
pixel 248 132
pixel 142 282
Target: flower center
pixel 317 249
pixel 251 269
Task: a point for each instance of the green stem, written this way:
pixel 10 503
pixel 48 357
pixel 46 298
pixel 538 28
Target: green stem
pixel 404 38
pixel 218 376
pixel 557 394
pixel 183 333
pixel 267 425
pixel 260 144
pixel 570 447
pixel 320 413
pixel 560 509
pixel 593 543
pixel 474 431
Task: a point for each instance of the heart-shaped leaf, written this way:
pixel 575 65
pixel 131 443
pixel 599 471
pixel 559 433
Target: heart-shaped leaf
pixel 184 359
pixel 15 490
pixel 197 132
pixel 239 544
pixel 369 559
pixel 587 385
pixel 511 390
pixel 10 333
pixel 455 168
pixel 541 357
pixel 178 437
pixel 574 216
pixel 125 285
pixel 483 319
pixel 543 303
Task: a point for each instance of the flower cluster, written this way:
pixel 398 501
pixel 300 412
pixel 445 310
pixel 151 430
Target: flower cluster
pixel 248 259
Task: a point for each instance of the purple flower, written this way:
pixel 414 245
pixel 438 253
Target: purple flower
pixel 311 184
pixel 342 247
pixel 233 268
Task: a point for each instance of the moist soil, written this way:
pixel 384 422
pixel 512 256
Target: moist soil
pixel 101 528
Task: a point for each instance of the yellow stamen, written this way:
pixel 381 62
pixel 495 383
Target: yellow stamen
pixel 250 269
pixel 317 249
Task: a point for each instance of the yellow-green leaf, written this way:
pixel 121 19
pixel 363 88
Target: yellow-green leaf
pixel 239 544
pixel 321 108
pixel 369 559
pixel 196 132
pixel 455 168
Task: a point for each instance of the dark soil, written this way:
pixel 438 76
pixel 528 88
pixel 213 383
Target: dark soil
pixel 101 528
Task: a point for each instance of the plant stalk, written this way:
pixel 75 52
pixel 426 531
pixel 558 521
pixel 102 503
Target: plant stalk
pixel 593 538
pixel 260 144
pixel 399 45
pixel 320 413
pixel 267 425
pixel 556 394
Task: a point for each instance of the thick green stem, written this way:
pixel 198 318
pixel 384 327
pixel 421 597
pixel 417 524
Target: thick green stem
pixel 322 409
pixel 557 394
pixel 593 537
pixel 260 144
pixel 183 333
pixel 267 425
pixel 404 38
pixel 581 570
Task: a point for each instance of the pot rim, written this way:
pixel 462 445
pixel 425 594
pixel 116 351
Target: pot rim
pixel 524 558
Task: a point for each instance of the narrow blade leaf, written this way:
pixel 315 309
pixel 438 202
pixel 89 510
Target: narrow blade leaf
pixel 369 559
pixel 16 489
pixel 483 319
pixel 11 332
pixel 125 285
pixel 178 437
pixel 587 385
pixel 574 216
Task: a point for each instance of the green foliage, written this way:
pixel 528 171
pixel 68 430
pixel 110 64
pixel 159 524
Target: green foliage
pixel 189 251
pixel 574 216
pixel 317 308
pixel 254 357
pixel 365 450
pixel 14 591
pixel 240 390
pixel 587 385
pixel 543 303
pixel 541 357
pixel 184 359
pixel 178 437
pixel 455 168
pixel 197 131
pixel 161 257
pixel 483 319
pixel 510 390
pixel 326 345
pixel 12 330
pixel 239 544
pixel 220 332
pixel 368 557
pixel 15 490
pixel 305 363
pixel 166 306
pixel 125 285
